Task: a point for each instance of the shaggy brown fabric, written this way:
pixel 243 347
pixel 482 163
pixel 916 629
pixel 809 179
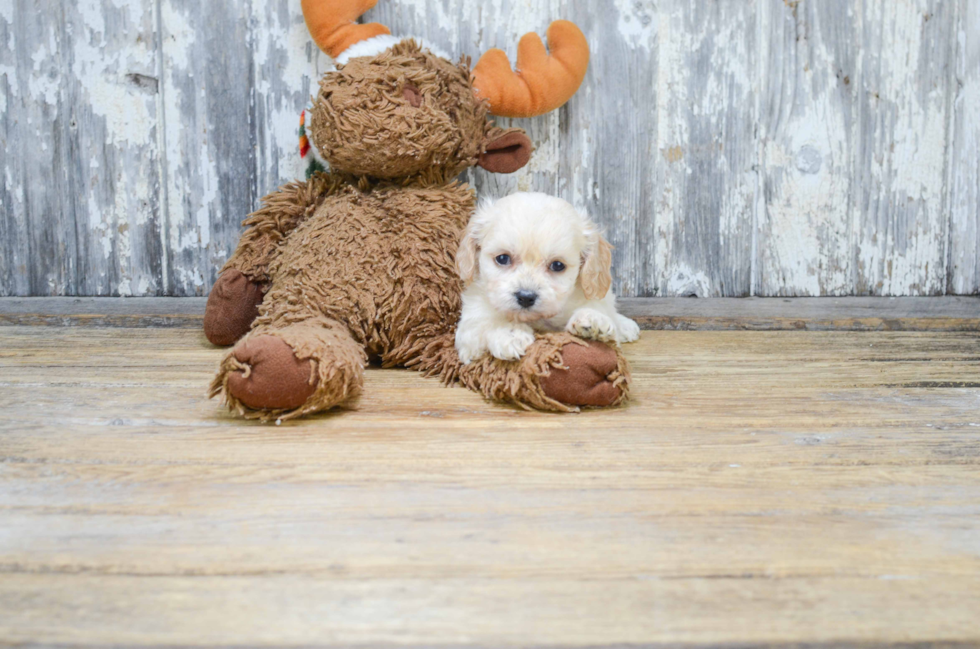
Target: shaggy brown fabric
pixel 232 307
pixel 362 266
pixel 280 213
pixel 365 123
pixel 520 382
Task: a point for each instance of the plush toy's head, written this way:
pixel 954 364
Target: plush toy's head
pixel 398 114
pixel 395 109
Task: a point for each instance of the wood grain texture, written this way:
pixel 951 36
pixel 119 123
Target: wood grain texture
pixel 805 314
pixel 608 152
pixel 756 147
pixel 764 489
pixel 964 162
pixel 808 128
pixel 209 107
pixel 237 74
pixel 706 156
pixel 38 241
pixel 904 77
pixel 950 313
pixel 82 117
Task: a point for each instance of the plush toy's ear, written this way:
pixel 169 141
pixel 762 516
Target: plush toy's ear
pixel 466 256
pixel 506 151
pixel 596 274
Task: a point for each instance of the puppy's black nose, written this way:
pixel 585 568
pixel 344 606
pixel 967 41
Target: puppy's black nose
pixel 526 298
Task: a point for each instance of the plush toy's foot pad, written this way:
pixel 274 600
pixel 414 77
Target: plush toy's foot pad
pixel 232 307
pixel 589 376
pixel 271 378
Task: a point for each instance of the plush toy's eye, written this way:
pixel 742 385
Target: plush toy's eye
pixel 503 260
pixel 556 266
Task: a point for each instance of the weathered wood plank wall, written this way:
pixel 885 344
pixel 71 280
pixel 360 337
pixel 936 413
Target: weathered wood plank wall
pixel 736 147
pixel 963 177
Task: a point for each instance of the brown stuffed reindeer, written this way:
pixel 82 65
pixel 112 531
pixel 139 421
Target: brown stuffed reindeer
pixel 357 263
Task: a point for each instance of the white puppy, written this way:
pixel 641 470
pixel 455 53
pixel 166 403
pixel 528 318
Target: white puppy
pixel 532 262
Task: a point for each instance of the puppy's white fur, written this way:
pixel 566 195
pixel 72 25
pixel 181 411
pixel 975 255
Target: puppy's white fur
pixel 534 231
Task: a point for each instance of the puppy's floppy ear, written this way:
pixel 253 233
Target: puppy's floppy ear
pixel 596 274
pixel 466 256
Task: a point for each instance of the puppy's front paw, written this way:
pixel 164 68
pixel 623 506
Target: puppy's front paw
pixel 509 343
pixel 629 331
pixel 469 344
pixel 592 325
pixel 469 352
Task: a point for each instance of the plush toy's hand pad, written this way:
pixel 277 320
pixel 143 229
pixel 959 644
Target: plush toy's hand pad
pixel 232 307
pixel 589 376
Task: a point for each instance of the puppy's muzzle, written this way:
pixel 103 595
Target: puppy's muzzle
pixel 526 299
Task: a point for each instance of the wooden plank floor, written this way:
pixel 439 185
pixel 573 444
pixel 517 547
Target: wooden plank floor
pixel 773 488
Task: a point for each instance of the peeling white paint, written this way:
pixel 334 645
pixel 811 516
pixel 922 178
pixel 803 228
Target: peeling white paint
pixel 684 281
pixel 281 90
pixel 113 62
pixel 706 148
pixel 44 84
pixel 101 72
pixel 191 179
pixel 179 37
pixel 900 231
pixel 964 160
pixel 207 202
pixel 8 73
pixel 8 78
pixel 804 247
pixel 693 115
pixel 638 22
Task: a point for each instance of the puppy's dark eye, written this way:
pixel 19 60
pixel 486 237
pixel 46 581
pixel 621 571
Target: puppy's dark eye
pixel 556 267
pixel 503 260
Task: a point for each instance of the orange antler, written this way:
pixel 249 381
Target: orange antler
pixel 541 83
pixel 331 23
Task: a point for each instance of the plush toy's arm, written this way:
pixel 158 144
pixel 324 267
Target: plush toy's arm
pixel 235 298
pixel 281 212
pixel 558 373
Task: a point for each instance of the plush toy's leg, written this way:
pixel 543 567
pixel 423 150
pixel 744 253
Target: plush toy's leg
pixel 286 370
pixel 559 373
